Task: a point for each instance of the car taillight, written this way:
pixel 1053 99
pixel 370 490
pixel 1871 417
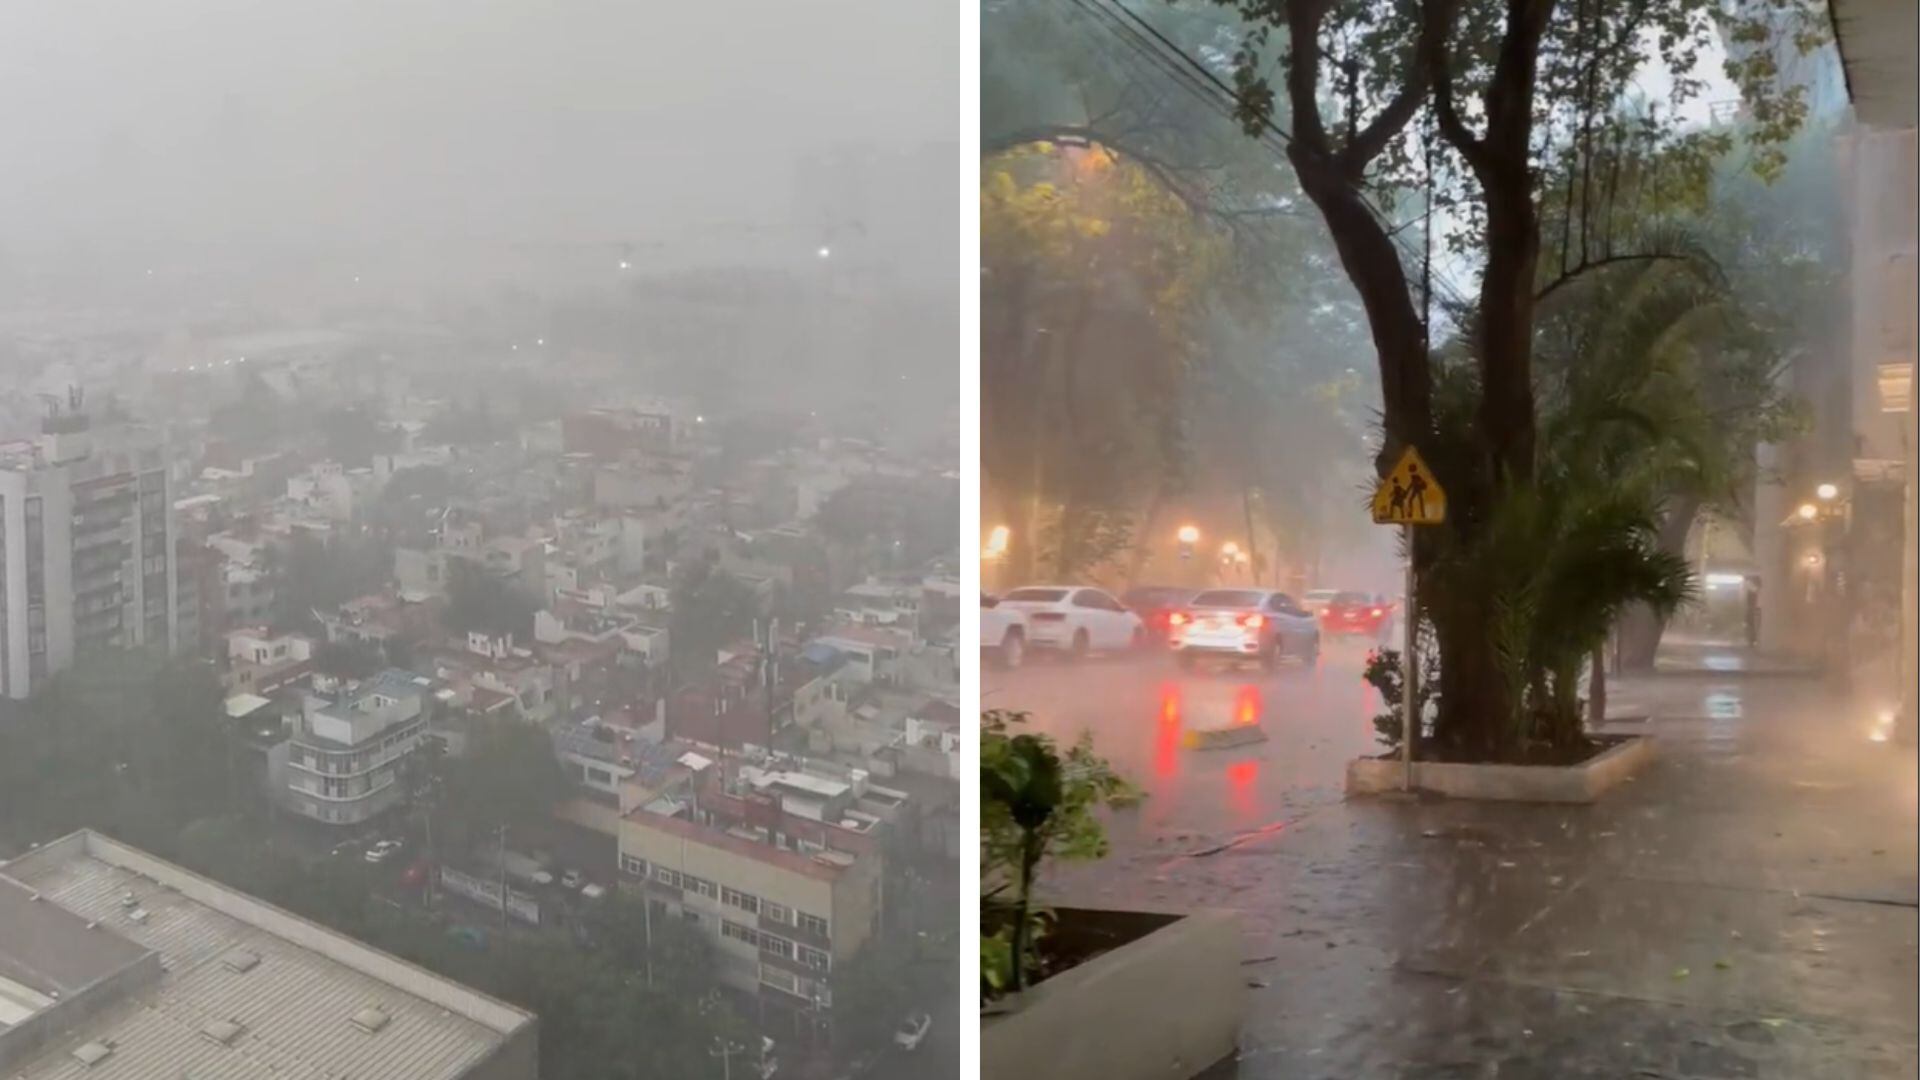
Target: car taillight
pixel 1177 618
pixel 1253 622
pixel 1377 611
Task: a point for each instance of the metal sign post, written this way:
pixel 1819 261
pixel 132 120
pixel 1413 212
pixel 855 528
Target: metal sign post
pixel 1409 672
pixel 1407 496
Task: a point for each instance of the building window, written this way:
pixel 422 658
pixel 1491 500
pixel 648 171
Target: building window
pixel 666 877
pixel 814 958
pixel 743 901
pixel 777 913
pixel 633 866
pixel 778 946
pixel 814 924
pixel 780 979
pixel 698 885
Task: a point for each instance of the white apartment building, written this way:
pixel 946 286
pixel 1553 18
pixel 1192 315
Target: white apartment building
pixel 783 868
pixel 86 543
pixel 346 751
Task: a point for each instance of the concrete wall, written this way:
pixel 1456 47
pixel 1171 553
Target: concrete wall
pixel 1163 1007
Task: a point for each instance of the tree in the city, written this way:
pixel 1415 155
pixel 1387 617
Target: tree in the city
pixel 1495 86
pixel 311 573
pixel 710 609
pixel 1267 379
pixel 507 777
pixel 128 742
pixel 1095 278
pixel 478 600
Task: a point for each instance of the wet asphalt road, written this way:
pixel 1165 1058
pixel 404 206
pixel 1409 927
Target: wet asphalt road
pixel 1141 708
pixel 1746 907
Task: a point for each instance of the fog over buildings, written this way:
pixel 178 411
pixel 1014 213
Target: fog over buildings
pixel 483 477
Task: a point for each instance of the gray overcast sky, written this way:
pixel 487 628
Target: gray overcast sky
pixel 147 121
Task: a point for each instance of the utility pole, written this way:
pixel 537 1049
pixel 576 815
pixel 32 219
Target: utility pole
pixel 503 875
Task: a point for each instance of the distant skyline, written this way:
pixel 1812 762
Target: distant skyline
pixel 358 122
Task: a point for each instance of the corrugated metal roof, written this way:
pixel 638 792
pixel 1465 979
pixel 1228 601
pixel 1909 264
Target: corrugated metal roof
pixel 294 1007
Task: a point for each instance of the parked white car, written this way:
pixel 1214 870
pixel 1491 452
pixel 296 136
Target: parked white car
pixel 1003 633
pixel 572 879
pixel 1075 619
pixel 911 1030
pixel 381 850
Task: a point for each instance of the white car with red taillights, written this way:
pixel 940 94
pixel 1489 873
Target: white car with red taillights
pixel 1244 624
pixel 1075 619
pixel 1003 633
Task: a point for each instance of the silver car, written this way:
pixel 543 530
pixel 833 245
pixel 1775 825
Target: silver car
pixel 1244 624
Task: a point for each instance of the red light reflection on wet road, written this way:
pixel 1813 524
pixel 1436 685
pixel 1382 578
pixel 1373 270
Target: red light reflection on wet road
pixel 1246 707
pixel 1241 777
pixel 1166 742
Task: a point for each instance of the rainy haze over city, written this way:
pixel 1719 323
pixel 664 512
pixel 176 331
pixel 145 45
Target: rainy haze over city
pixel 1533 377
pixel 479 510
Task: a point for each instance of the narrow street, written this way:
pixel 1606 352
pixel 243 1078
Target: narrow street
pixel 1746 907
pixel 1139 711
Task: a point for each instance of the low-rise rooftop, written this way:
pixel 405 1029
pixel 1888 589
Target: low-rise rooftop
pixel 155 972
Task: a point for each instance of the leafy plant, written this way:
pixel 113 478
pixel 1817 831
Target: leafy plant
pixel 1383 672
pixel 1036 803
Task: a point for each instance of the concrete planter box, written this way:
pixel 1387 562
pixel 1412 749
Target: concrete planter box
pixel 1164 1006
pixel 1582 783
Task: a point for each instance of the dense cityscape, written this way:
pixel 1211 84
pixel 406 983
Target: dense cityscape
pixel 475 600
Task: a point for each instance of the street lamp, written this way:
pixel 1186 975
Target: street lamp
pixel 1230 551
pixel 725 1050
pixel 1808 511
pixel 996 545
pixel 1827 492
pixel 825 252
pixel 1189 535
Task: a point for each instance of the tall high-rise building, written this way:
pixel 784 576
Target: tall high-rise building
pixel 86 547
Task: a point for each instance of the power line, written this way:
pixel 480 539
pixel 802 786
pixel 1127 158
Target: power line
pixel 1144 38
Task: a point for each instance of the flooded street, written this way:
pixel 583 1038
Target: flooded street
pixel 1745 907
pixel 1142 710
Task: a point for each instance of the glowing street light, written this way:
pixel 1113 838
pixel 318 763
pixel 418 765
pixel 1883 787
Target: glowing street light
pixel 1827 492
pixel 1808 511
pixel 1230 550
pixel 625 265
pixel 997 541
pixel 825 252
pixel 1189 534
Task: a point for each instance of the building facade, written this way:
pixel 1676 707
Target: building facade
pixel 347 752
pixel 781 868
pixel 86 541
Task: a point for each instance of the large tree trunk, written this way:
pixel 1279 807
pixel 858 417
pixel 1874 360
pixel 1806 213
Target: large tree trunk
pixel 1474 709
pixel 1640 628
pixel 1597 688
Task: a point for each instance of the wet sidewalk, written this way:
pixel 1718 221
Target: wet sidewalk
pixel 1684 657
pixel 1745 908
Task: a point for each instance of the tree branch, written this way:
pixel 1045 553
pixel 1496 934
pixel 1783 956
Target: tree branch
pixel 1439 17
pixel 1587 266
pixel 1392 120
pixel 1303 75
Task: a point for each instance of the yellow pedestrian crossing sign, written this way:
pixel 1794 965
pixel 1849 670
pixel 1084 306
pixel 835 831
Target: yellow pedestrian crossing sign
pixel 1410 495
